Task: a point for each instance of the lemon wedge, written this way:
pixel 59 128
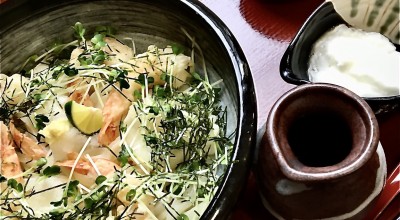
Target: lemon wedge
pixel 87 120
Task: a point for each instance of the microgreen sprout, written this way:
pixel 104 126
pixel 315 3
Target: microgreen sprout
pixel 41 121
pixel 51 171
pixel 177 48
pixel 105 30
pixel 123 156
pixel 182 133
pixel 98 41
pixel 79 31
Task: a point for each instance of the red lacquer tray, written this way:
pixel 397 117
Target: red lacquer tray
pixel 264 29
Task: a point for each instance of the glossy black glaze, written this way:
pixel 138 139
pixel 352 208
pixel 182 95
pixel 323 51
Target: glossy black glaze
pixel 294 63
pixel 29 27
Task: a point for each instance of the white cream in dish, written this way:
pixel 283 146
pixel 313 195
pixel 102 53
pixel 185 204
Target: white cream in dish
pixel 365 62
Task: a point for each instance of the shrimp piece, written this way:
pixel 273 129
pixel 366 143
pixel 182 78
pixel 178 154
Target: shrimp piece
pixel 118 52
pixel 9 161
pixel 81 167
pixel 78 97
pixel 28 146
pixel 86 173
pixel 105 166
pixel 117 106
pixel 84 166
pixel 154 62
pixel 115 109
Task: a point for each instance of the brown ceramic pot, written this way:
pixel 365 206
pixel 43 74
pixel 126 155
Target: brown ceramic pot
pixel 320 156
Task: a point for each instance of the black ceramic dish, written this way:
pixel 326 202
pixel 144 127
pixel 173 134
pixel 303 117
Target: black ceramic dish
pixel 294 63
pixel 29 27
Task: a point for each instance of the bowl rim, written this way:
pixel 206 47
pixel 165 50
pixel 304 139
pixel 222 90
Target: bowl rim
pixel 247 117
pixel 286 71
pixel 236 173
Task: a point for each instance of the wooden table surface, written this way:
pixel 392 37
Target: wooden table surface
pixel 264 29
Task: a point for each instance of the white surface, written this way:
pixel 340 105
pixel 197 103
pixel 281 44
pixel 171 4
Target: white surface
pixel 365 62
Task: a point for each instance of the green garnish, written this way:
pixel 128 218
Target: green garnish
pixel 131 195
pixel 177 48
pixel 41 162
pixel 79 31
pixel 15 185
pixel 105 30
pixel 2 179
pixel 123 156
pixel 184 131
pixel 98 41
pixel 92 58
pixel 100 179
pixel 70 71
pixel 41 121
pixel 183 217
pixel 51 171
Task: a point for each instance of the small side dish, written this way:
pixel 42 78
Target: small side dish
pixel 362 57
pixel 93 130
pixel 365 62
pixel 351 65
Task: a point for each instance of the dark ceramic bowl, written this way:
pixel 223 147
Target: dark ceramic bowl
pixel 29 27
pixel 294 63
